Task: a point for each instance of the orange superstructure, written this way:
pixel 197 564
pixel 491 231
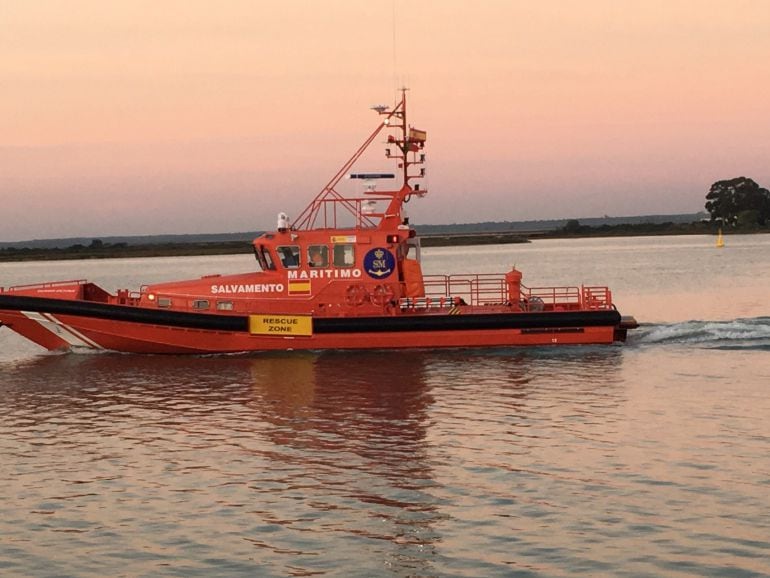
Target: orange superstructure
pixel 345 274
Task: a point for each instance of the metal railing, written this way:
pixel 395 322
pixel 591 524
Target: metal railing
pixel 473 289
pixel 50 285
pixel 493 289
pixel 552 297
pixel 597 298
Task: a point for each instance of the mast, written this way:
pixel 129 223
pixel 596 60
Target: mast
pixel 408 143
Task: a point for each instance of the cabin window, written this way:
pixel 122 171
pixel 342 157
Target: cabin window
pixel 260 259
pixel 224 305
pixel 344 255
pixel 263 258
pixel 289 256
pixel 200 304
pixel 318 256
pixel 270 265
pixel 164 302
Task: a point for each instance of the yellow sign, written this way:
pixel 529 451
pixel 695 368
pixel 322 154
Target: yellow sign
pixel 343 238
pixel 290 325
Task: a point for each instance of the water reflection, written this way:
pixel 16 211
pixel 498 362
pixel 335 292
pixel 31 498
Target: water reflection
pixel 315 443
pixel 388 457
pixel 357 425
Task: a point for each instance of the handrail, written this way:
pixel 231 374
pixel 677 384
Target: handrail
pixel 326 215
pixel 474 289
pixel 596 297
pixel 493 289
pixel 46 285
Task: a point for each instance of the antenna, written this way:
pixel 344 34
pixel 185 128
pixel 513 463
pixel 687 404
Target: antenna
pixel 395 81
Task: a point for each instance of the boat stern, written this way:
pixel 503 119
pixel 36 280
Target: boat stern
pixel 28 311
pixel 621 330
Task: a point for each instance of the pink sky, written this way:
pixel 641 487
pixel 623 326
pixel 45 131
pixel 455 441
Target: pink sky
pixel 121 118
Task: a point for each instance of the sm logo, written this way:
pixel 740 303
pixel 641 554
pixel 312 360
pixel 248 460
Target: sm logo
pixel 379 263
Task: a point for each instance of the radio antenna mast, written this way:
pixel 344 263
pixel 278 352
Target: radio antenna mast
pixel 395 80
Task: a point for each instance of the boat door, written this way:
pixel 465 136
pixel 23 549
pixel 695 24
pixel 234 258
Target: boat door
pixel 410 269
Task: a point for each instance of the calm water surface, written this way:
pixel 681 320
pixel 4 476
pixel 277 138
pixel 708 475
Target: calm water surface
pixel 650 459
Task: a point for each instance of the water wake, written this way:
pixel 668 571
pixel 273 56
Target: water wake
pixel 752 333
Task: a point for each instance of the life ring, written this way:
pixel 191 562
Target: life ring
pixel 382 294
pixel 355 295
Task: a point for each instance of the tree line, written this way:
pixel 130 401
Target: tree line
pixel 739 204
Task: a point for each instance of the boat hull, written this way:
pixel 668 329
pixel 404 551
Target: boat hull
pixel 59 324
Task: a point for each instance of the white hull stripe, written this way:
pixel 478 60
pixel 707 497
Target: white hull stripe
pixel 61 330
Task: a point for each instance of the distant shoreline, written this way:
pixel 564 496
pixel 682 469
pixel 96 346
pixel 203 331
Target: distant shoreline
pixel 122 250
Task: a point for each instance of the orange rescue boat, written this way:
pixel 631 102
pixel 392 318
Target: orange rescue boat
pixel 345 274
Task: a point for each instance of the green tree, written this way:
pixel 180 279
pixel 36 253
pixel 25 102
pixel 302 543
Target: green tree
pixel 572 226
pixel 741 196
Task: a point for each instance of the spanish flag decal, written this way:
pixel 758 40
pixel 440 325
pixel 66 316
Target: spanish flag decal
pixel 299 287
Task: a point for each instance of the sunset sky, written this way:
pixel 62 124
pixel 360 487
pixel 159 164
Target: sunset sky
pixel 123 118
